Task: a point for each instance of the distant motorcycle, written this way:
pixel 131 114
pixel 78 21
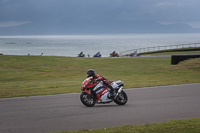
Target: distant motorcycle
pixel 81 55
pixel 114 54
pixel 134 54
pixel 101 94
pixel 97 54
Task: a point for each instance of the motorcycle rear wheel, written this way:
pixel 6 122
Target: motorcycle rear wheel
pixel 87 100
pixel 121 98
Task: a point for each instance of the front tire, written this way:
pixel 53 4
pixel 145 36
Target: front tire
pixel 87 100
pixel 121 98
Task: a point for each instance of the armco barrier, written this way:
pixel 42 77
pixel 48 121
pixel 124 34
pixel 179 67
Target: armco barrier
pixel 158 48
pixel 175 59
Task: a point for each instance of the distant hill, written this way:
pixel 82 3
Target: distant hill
pixel 96 27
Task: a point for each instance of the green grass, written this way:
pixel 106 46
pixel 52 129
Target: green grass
pixel 45 75
pixel 174 126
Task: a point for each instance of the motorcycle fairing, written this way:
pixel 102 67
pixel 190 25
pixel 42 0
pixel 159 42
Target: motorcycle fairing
pixel 116 83
pixel 100 90
pixel 102 97
pixel 88 92
pixel 98 86
pixel 87 84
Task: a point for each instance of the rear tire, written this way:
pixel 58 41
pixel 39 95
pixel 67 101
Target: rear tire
pixel 86 100
pixel 121 98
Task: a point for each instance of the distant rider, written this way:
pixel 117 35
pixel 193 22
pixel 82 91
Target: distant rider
pixel 96 78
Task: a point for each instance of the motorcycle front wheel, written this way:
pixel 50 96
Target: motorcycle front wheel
pixel 88 100
pixel 121 98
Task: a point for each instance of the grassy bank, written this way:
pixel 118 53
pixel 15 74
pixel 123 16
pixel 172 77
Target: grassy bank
pixel 175 126
pixel 44 75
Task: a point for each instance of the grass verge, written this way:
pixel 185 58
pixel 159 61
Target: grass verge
pixel 45 75
pixel 174 126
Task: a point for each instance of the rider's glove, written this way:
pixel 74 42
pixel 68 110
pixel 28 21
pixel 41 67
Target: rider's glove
pixel 96 80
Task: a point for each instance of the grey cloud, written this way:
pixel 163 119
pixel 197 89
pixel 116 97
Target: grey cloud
pixel 167 10
pixel 70 12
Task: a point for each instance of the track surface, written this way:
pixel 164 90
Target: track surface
pixel 41 114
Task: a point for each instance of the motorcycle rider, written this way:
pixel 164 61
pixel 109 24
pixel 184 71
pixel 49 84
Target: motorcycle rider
pixel 97 77
pixel 113 53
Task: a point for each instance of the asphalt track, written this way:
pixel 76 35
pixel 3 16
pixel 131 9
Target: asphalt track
pixel 41 114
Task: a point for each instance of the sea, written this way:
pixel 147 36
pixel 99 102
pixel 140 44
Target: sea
pixel 72 45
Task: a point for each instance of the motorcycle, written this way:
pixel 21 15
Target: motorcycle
pixel 135 54
pixel 95 92
pixel 114 54
pixel 97 55
pixel 81 55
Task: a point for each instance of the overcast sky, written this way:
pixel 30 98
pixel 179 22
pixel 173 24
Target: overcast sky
pixel 19 12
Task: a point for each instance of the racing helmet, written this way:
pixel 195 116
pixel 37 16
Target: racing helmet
pixel 90 73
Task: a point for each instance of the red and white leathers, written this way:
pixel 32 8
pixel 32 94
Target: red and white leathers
pixel 98 77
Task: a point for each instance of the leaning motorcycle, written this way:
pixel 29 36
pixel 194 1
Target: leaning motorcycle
pixel 96 92
pixel 97 55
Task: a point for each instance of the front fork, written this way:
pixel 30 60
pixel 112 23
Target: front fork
pixel 119 91
pixel 90 94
